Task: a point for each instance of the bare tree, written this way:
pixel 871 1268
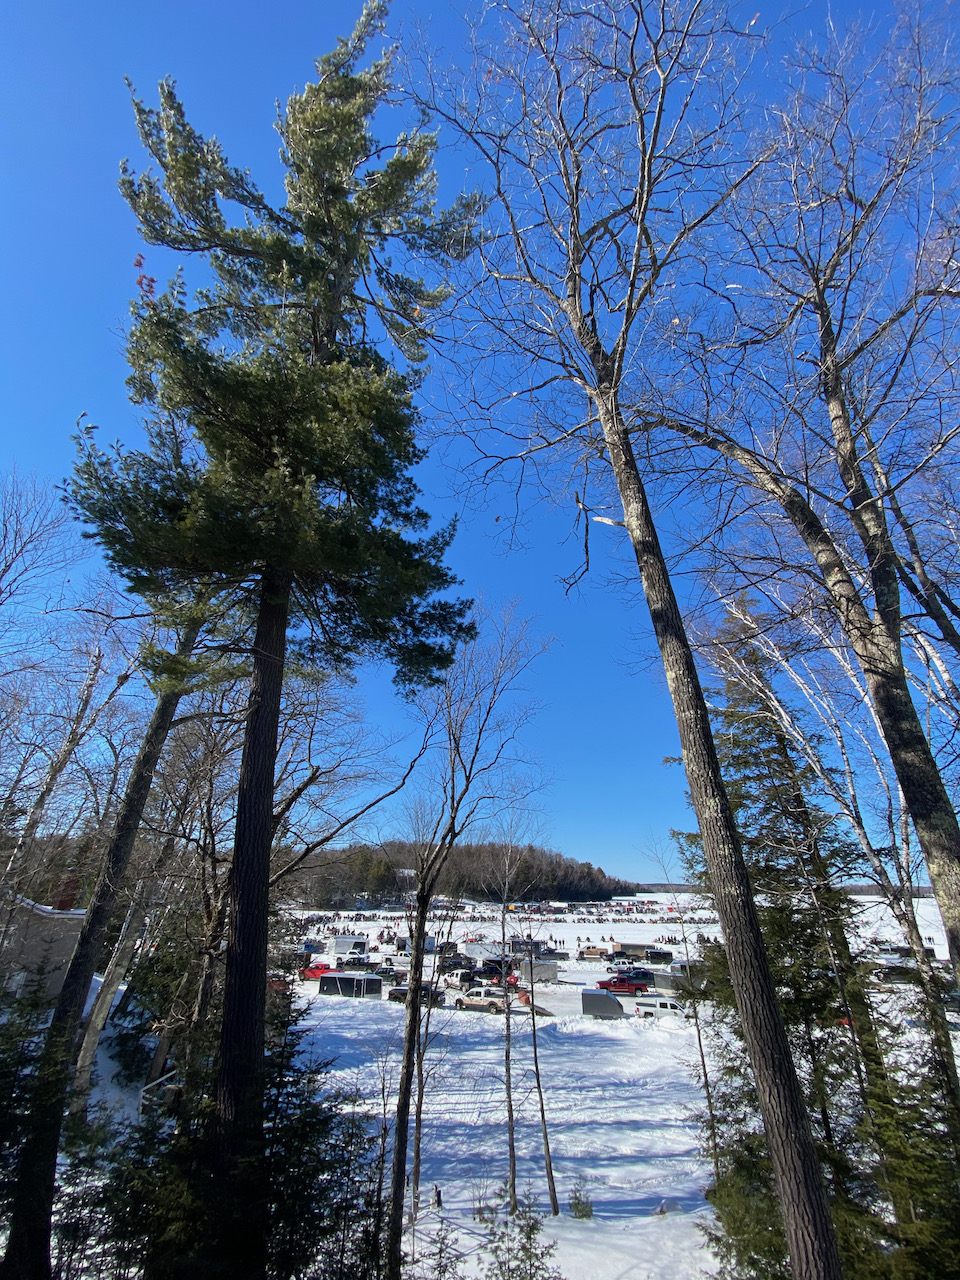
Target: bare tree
pixel 608 136
pixel 838 740
pixel 507 882
pixel 820 392
pixel 28 1246
pixel 36 549
pixel 475 716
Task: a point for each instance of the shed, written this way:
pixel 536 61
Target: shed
pixel 39 943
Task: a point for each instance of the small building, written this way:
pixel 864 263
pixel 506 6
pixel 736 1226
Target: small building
pixel 429 945
pixel 39 943
pixel 339 944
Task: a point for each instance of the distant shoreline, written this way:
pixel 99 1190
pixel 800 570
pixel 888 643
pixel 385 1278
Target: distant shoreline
pixel 857 890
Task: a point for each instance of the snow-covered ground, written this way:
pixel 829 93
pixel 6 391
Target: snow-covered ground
pixel 621 1098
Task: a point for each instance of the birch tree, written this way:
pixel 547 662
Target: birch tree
pixel 819 386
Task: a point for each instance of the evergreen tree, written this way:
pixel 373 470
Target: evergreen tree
pixel 881 1138
pixel 514 1248
pixel 285 448
pixel 140 1200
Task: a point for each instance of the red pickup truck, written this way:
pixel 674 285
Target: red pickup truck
pixel 628 983
pixel 313 971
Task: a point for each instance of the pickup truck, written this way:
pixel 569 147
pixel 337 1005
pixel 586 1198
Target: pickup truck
pixel 428 994
pixel 628 983
pixel 313 971
pixel 660 1006
pixel 462 978
pixel 485 999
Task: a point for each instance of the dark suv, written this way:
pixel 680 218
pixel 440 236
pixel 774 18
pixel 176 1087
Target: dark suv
pixel 428 994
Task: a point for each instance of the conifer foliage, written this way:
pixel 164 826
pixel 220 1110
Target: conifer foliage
pixel 882 1131
pixel 282 448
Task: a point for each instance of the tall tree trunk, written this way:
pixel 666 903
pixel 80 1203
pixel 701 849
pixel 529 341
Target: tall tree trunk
pixel 422 1046
pixel 547 1158
pixel 27 1256
pixel 116 970
pixel 242 1222
pixel 874 636
pixel 508 1092
pixel 801 1193
pixel 508 1053
pixel 418 1104
pixel 877 639
pixel 408 1065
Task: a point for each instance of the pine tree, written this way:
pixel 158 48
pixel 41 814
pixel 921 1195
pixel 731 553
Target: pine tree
pixel 876 1130
pixel 287 443
pixel 514 1248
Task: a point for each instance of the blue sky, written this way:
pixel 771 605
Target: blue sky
pixel 67 245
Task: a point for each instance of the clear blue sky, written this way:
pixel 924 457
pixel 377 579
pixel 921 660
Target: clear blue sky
pixel 68 241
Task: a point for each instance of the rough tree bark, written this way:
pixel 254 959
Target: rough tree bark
pixel 800 1188
pixel 239 1085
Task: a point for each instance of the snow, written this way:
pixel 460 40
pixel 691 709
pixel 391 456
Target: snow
pixel 621 1097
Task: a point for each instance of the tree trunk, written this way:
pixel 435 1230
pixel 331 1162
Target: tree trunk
pixel 875 640
pixel 242 1223
pixel 547 1158
pixel 418 1119
pixel 115 973
pixel 808 1228
pixel 27 1255
pixel 508 1091
pixel 408 1063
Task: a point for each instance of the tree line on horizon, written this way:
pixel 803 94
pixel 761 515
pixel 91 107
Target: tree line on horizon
pixel 369 872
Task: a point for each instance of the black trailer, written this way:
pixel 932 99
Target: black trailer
pixel 359 986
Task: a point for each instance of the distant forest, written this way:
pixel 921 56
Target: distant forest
pixel 488 872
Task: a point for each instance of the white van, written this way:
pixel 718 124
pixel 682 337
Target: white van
pixel 660 1006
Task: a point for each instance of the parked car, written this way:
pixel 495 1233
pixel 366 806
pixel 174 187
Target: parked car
pixel 484 999
pixel 390 973
pixel 660 1006
pixel 313 971
pixel 462 978
pixel 429 994
pixel 617 963
pixel 629 983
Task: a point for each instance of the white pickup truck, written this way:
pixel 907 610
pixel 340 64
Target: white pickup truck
pixel 486 999
pixel 660 1006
